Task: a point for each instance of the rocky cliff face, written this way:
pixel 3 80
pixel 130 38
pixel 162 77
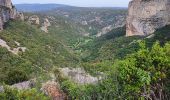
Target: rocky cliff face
pixel 45 25
pixel 34 20
pixel 145 16
pixel 7 12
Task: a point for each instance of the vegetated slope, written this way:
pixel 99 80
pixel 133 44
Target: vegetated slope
pixel 135 67
pixel 110 46
pixel 94 19
pixel 114 44
pixel 44 51
pixel 98 54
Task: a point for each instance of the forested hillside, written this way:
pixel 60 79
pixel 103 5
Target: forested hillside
pixel 72 62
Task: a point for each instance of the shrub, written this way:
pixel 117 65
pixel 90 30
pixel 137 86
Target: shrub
pixel 16 76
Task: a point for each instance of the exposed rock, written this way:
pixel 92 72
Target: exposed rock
pixel 6 3
pixel 45 25
pixel 84 23
pixel 20 16
pixel 7 12
pixel 1 89
pixel 34 20
pixel 52 89
pixel 79 76
pixel 14 50
pixel 13 13
pixel 1 24
pixel 23 85
pixel 146 16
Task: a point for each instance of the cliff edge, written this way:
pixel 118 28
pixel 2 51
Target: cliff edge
pixel 146 16
pixel 7 12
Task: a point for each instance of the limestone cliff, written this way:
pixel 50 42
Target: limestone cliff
pixel 7 12
pixel 34 20
pixel 145 16
pixel 45 25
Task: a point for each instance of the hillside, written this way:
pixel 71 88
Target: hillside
pixel 43 52
pixel 96 21
pixel 84 55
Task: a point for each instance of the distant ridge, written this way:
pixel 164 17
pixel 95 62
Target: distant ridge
pixel 38 7
pixel 43 7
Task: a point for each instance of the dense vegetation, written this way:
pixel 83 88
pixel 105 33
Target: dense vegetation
pixel 43 52
pixel 14 94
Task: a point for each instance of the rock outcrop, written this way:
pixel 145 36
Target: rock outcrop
pixel 7 12
pixel 34 20
pixel 45 25
pixel 12 50
pixel 79 76
pixel 146 16
pixel 20 16
pixel 52 89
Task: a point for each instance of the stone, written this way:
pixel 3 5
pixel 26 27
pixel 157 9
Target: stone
pixel 6 3
pixel 34 20
pixel 146 16
pixel 45 25
pixel 1 24
pixel 7 12
pixel 13 13
pixel 52 89
pixel 78 75
pixel 12 50
pixel 23 85
pixel 20 16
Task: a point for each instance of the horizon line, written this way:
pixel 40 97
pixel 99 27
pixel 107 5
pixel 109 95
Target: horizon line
pixel 73 5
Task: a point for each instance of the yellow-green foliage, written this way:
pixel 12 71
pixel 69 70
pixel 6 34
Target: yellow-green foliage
pixel 14 94
pixel 43 51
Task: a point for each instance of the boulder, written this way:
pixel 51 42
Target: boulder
pixel 23 85
pixel 146 16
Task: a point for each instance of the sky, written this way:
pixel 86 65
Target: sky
pixel 81 3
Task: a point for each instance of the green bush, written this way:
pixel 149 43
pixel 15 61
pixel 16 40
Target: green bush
pixel 16 76
pixel 14 94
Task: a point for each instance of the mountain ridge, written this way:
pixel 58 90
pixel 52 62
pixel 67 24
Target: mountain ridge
pixel 49 6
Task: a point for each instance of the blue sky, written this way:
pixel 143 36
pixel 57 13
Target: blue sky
pixel 82 3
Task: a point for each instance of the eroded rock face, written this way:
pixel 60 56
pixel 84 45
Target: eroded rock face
pixel 45 25
pixel 7 12
pixel 34 20
pixel 52 89
pixel 15 51
pixel 6 3
pixel 145 16
pixel 79 76
pixel 20 16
